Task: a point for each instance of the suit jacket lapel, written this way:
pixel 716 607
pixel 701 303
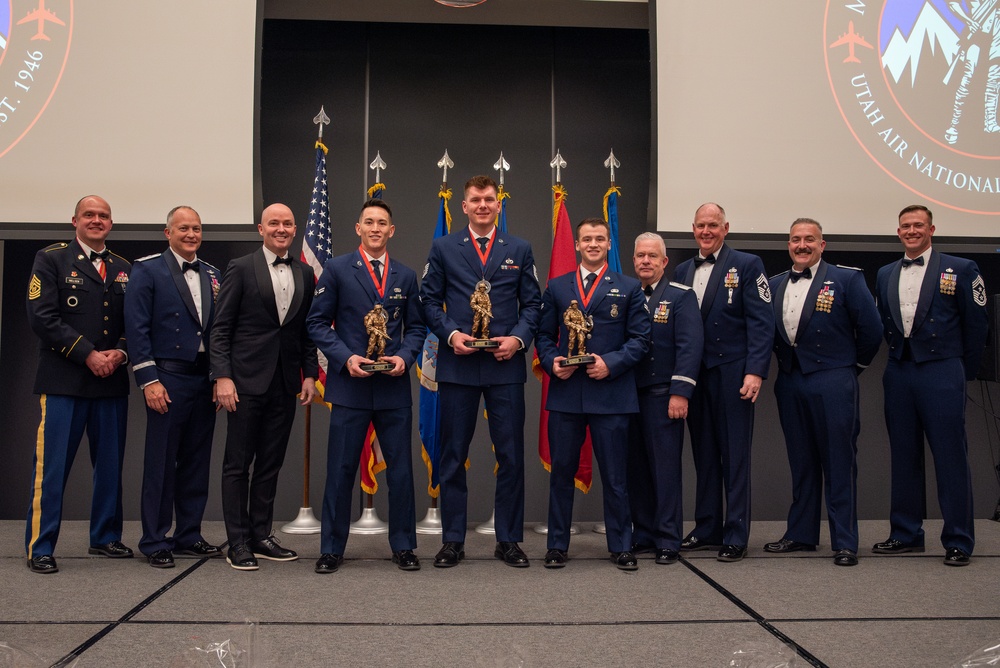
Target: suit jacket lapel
pixel 83 263
pixel 927 288
pixel 778 305
pixel 364 278
pixel 207 298
pixel 810 306
pixel 182 286
pixel 892 295
pixel 656 297
pixel 263 276
pixel 299 280
pixel 719 270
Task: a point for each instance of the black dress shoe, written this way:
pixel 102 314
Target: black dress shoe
pixel 666 556
pixel 556 558
pixel 201 550
pixel 512 554
pixel 268 548
pixel 406 560
pixel 449 555
pixel 43 563
pixel 845 558
pixel 114 549
pixel 625 561
pixel 731 553
pixel 784 545
pixel 161 559
pixel 893 546
pixel 692 543
pixel 955 557
pixel 329 563
pixel 642 548
pixel 241 558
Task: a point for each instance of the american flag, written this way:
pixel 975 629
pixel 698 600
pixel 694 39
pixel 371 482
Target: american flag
pixel 317 248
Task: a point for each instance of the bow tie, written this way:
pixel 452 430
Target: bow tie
pixel 794 276
pixel 193 266
pixel 102 256
pixel 282 260
pixel 919 261
pixel 648 290
pixel 698 261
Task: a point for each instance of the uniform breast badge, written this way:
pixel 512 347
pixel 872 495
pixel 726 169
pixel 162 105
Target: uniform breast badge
pixel 824 300
pixel 614 310
pixel 662 313
pixel 949 281
pixel 732 282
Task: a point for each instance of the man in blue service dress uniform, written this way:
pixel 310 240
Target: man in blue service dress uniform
pixel 76 300
pixel 457 263
pixel 665 379
pixel 600 395
pixel 827 333
pixel 261 357
pixel 169 310
pixel 354 289
pixel 933 309
pixel 735 302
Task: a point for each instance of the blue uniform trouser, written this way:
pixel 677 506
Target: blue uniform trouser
pixel 348 428
pixel 928 399
pixel 64 420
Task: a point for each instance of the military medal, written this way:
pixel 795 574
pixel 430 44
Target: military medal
pixel 486 285
pixel 949 281
pixel 824 300
pixel 732 282
pixel 662 313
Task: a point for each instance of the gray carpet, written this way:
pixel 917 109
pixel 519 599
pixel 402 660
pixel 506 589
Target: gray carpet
pixel 904 611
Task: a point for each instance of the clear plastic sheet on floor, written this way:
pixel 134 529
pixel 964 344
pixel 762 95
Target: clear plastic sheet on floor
pixel 765 655
pixel 12 656
pixel 226 653
pixel 984 656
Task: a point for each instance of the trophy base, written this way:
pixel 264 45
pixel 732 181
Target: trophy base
pixel 377 366
pixel 577 360
pixel 482 344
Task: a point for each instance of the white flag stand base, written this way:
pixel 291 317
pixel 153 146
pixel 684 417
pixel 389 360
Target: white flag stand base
pixel 600 528
pixel 574 528
pixel 489 526
pixel 305 523
pixel 431 524
pixel 369 524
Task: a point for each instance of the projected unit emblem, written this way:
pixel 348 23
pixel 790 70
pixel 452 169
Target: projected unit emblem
pixel 34 46
pixel 918 84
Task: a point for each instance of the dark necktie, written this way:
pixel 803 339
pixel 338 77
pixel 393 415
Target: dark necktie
pixel 698 261
pixel 648 290
pixel 483 243
pixel 102 256
pixel 193 266
pixel 587 281
pixel 794 276
pixel 919 261
pixel 282 260
pixel 377 270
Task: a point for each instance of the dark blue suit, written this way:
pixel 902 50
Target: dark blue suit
pixel 818 399
pixel 924 386
pixel 345 293
pixel 74 312
pixel 450 277
pixel 164 333
pixel 670 368
pixel 621 337
pixel 739 332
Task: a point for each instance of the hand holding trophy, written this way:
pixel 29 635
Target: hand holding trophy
pixel 375 324
pixel 578 326
pixel 482 313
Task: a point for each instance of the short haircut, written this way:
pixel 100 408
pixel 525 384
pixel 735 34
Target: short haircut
pixel 717 206
pixel 651 236
pixel 595 222
pixel 482 182
pixel 378 203
pixel 170 214
pixel 918 207
pixel 76 210
pixel 806 221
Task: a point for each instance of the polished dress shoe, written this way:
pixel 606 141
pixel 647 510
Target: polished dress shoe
pixel 625 561
pixel 449 555
pixel 784 545
pixel 666 556
pixel 114 549
pixel 201 550
pixel 642 548
pixel 692 543
pixel 556 558
pixel 731 553
pixel 268 548
pixel 512 554
pixel 406 560
pixel 329 563
pixel 43 563
pixel 161 559
pixel 955 557
pixel 241 558
pixel 893 546
pixel 845 558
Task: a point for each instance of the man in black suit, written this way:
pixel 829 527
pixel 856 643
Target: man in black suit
pixel 261 357
pixel 76 299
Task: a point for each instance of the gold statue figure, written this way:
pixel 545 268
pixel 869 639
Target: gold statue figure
pixel 375 325
pixel 482 310
pixel 578 327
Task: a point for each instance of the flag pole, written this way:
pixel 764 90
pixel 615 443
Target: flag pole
pixel 306 522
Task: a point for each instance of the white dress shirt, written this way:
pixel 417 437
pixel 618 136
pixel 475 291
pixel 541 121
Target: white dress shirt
pixel 910 280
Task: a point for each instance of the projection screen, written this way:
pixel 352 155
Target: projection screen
pixel 149 104
pixel 840 111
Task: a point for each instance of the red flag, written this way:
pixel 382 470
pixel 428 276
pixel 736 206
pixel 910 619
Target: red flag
pixel 372 461
pixel 563 261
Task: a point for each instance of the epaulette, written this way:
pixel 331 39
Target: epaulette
pixel 846 267
pixel 118 256
pixel 680 285
pixel 777 275
pixel 149 257
pixel 210 266
pixel 58 246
